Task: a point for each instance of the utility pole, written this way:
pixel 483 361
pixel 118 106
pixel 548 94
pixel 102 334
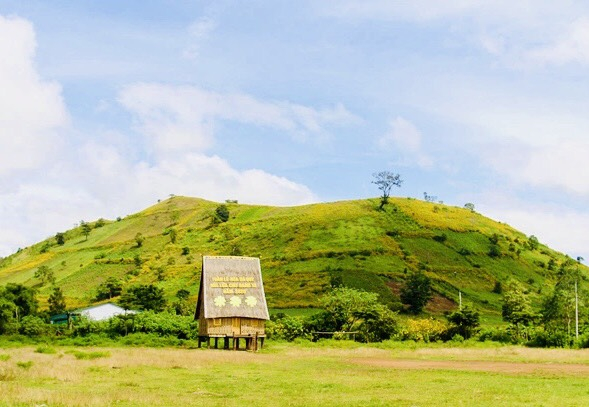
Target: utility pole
pixel 460 299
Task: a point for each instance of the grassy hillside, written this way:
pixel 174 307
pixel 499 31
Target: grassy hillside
pixel 302 250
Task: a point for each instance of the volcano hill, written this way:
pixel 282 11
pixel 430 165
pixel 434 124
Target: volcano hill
pixel 303 251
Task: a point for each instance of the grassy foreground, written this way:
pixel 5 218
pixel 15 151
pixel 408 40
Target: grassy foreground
pixel 286 374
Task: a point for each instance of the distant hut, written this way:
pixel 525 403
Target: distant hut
pixel 231 302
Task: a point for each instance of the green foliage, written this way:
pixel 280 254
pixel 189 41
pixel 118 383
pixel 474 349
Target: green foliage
pixel 144 297
pixel 7 314
pixel 385 181
pixel 416 292
pixel 56 302
pixel 32 326
pixel 348 309
pixel 469 206
pixel 109 289
pixel 162 324
pixel 182 306
pixel 517 309
pixel 533 242
pixel 182 294
pixel 139 239
pixel 86 228
pixel 25 365
pixel 558 308
pixel 23 299
pixel 45 274
pixel 441 238
pixel 286 328
pixel 173 233
pixel 466 321
pixel 60 238
pixel 47 350
pixel 222 213
pixel 494 251
pixel 89 355
pixel 300 248
pixel 423 330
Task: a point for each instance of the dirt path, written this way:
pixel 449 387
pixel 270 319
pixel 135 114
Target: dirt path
pixel 477 366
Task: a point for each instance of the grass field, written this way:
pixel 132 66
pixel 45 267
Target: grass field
pixel 324 374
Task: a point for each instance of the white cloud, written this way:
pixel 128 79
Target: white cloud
pixel 561 165
pixel 30 109
pixel 523 34
pixel 182 118
pixel 525 11
pixel 557 226
pixel 572 46
pixel 199 32
pixel 406 138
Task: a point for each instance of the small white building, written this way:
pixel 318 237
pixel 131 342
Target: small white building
pixel 103 312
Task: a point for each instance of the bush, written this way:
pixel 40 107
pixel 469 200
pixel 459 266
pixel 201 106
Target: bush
pixel 222 213
pixel 541 338
pixel 287 328
pixel 423 330
pixel 163 324
pixel 495 335
pixel 32 326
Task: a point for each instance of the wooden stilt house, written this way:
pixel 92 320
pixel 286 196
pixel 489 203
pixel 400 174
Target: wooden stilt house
pixel 231 302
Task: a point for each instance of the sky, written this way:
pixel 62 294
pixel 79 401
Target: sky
pixel 106 107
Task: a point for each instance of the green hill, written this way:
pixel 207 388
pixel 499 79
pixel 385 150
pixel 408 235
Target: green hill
pixel 303 250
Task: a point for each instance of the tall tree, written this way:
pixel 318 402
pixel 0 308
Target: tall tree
pixel 558 308
pixel 144 297
pixel 23 298
pixel 56 302
pixel 517 308
pixel 385 181
pixel 86 228
pixel 466 321
pixel 416 292
pixel 110 288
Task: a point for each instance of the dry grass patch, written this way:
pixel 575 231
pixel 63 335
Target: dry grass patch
pixel 286 374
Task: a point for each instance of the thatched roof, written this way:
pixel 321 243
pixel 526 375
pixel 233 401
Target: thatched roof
pixel 231 287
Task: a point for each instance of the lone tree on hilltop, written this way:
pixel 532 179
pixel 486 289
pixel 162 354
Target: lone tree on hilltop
pixel 385 181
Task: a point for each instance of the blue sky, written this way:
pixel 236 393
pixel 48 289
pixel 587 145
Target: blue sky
pixel 108 106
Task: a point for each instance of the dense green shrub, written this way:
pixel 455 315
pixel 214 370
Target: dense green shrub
pixel 33 326
pixel 162 324
pixel 287 328
pixel 541 338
